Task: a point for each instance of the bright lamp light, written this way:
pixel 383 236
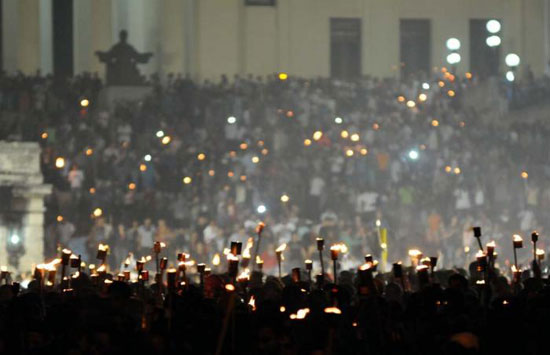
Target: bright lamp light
pixel 493 41
pixel 493 26
pixel 453 58
pixel 512 60
pixel 453 44
pixel 510 76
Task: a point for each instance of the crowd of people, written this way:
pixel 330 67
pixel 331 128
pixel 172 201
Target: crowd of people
pixel 416 309
pixel 198 164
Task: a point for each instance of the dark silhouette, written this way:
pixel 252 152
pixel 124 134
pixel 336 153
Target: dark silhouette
pixel 122 60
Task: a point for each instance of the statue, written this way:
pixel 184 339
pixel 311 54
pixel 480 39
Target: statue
pixel 121 61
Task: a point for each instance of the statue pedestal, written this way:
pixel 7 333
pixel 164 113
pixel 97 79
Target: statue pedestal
pixel 110 95
pixel 22 193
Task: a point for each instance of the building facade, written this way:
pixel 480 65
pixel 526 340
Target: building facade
pixel 207 38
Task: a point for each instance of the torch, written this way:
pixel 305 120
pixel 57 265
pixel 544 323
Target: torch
pixel 259 229
pixel 536 268
pixel 157 249
pixel 296 275
pixel 233 266
pixel 309 267
pixel 65 258
pixel 398 273
pixel 320 248
pixel 102 252
pixel 280 257
pixel 334 252
pixel 477 235
pixel 200 269
pixel 518 243
pixel 259 263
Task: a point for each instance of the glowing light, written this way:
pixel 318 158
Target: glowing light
pixel 344 134
pixel 457 170
pixel 413 154
pixel 441 83
pixel 84 102
pixel 147 157
pixel 364 151
pixel 435 123
pixel 160 134
pixel 493 26
pixel 290 114
pixel 493 41
pixel 425 86
pixel 338 120
pixel 451 93
pixel 230 174
pixel 349 152
pixel 281 248
pixel 468 75
pixel 89 151
pixel 317 135
pixel 201 156
pixel 454 58
pixel 142 167
pixel 411 104
pixel 211 172
pixel 92 190
pixel 166 140
pixel 375 126
pixel 229 288
pixel 285 198
pixel 231 119
pixel 333 310
pixel 255 159
pixel 98 212
pixel 422 97
pixel 401 98
pixel 453 44
pixel 524 175
pixel 44 135
pixel 283 76
pixel 354 137
pixel 448 169
pixel 512 60
pixel 510 76
pixel 14 239
pixel 265 151
pixel 243 146
pixel 59 218
pixel 216 259
pixel 261 209
pixel 307 142
pixel 131 186
pixel 243 178
pixel 60 162
pixel 187 180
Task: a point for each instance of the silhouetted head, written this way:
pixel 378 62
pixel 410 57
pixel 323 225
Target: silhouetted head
pixel 123 35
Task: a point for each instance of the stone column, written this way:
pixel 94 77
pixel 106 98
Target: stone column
pixel 172 55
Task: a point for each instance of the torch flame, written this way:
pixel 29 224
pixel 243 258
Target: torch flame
pixel 232 257
pixel 421 268
pixel 230 288
pixel 333 310
pixel 414 253
pixel 66 251
pixel 491 244
pixel 226 251
pixel 260 227
pixel 259 260
pixel 246 251
pixel 365 266
pixel 102 268
pixel 514 269
pixel 540 251
pixel 341 247
pixel 281 248
pixel 252 303
pixel 480 254
pixel 244 275
pixel 103 247
pixel 216 259
pixel 517 238
pixel 300 314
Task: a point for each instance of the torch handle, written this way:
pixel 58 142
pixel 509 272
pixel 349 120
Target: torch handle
pixel 322 263
pixel 334 266
pixel 479 243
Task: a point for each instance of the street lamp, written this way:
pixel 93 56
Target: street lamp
pixel 453 58
pixel 493 41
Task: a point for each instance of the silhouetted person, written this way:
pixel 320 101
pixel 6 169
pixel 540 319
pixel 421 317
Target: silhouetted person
pixel 122 60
